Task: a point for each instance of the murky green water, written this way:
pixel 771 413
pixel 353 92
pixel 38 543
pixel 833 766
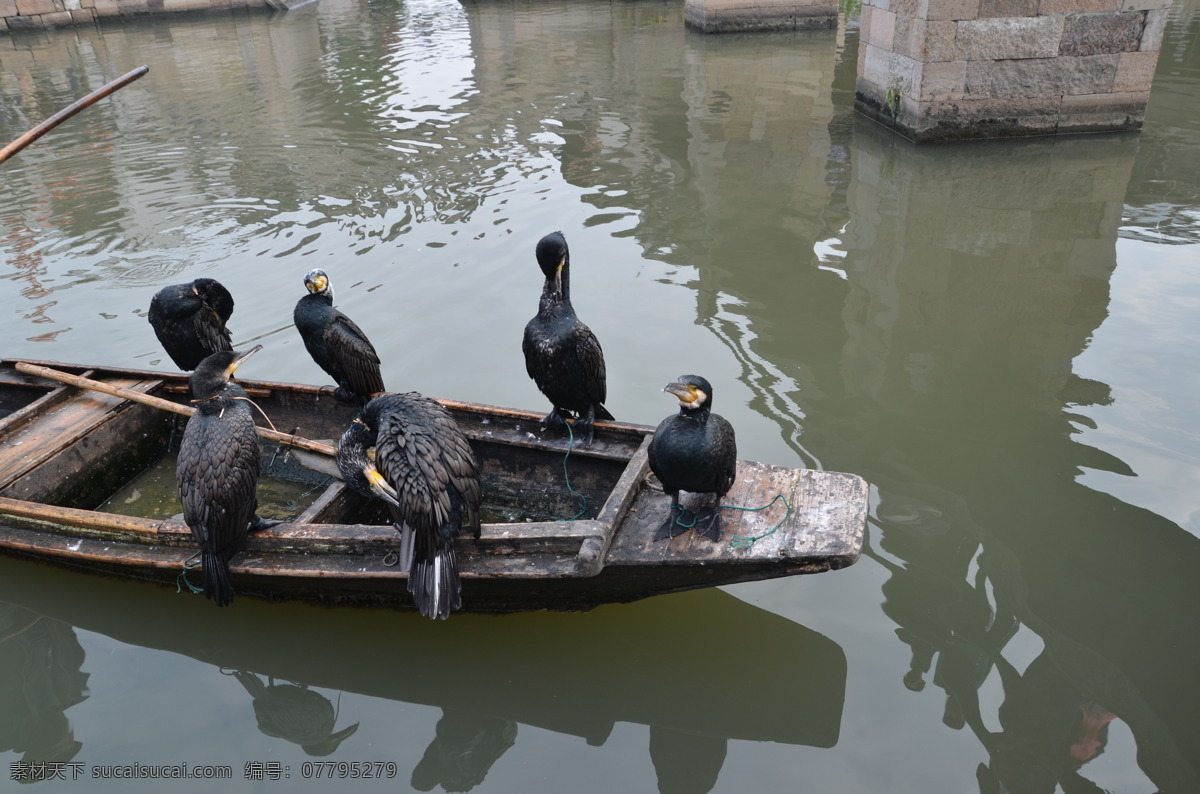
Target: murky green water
pixel 1000 337
pixel 154 494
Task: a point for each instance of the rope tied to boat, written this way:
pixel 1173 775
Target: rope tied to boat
pixel 181 581
pixel 741 541
pixel 744 542
pixel 567 475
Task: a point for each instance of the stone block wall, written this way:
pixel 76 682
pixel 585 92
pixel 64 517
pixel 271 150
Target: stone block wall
pixel 726 16
pixel 953 69
pixel 17 15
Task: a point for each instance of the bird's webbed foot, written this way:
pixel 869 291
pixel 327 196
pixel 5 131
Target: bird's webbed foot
pixel 584 429
pixel 345 395
pixel 258 523
pixel 708 523
pixel 556 420
pixel 676 522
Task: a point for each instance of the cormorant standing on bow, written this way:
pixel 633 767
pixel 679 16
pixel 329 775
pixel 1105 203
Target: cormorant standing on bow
pixel 562 355
pixel 189 320
pixel 695 451
pixel 337 345
pixel 407 450
pixel 218 468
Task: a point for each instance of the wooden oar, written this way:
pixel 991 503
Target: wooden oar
pixel 70 110
pixel 166 405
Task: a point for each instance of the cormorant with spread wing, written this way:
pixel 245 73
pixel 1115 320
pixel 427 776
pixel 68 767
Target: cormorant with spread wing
pixel 218 468
pixel 562 355
pixel 189 320
pixel 695 451
pixel 337 345
pixel 407 450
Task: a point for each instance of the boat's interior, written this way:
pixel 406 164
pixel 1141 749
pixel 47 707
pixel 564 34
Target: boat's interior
pixel 90 451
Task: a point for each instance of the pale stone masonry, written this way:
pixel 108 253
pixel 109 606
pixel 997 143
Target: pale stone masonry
pixel 952 69
pixel 17 15
pixel 726 16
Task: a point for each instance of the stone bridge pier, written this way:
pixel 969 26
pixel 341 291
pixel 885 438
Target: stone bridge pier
pixel 939 70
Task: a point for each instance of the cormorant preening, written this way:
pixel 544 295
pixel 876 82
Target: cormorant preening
pixel 407 450
pixel 695 451
pixel 337 345
pixel 218 468
pixel 562 355
pixel 189 320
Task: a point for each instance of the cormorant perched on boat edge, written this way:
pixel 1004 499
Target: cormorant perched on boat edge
pixel 218 468
pixel 337 345
pixel 695 451
pixel 562 355
pixel 407 450
pixel 189 320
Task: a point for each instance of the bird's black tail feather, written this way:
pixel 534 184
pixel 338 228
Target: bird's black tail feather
pixel 603 413
pixel 433 579
pixel 217 585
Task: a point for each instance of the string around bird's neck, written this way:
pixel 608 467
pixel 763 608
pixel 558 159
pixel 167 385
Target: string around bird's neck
pixel 261 412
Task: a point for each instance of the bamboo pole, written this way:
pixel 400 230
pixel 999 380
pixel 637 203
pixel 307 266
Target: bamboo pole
pixel 166 405
pixel 70 110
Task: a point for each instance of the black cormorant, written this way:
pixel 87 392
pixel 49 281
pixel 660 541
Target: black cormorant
pixel 407 450
pixel 337 345
pixel 695 451
pixel 562 355
pixel 218 468
pixel 189 320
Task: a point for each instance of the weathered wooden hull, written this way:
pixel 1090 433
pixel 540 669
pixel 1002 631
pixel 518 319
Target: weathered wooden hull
pixel 63 450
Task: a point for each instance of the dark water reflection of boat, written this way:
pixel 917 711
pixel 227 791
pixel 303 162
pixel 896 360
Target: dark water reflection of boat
pixel 698 668
pixel 40 678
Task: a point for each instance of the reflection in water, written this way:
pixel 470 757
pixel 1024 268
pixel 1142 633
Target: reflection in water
pixel 1160 204
pixel 464 747
pixel 596 668
pixel 686 763
pixel 40 678
pixel 982 524
pixel 295 713
pixel 1048 731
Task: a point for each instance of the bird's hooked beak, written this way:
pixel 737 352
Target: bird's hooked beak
pixel 558 276
pixel 689 396
pixel 379 486
pixel 241 357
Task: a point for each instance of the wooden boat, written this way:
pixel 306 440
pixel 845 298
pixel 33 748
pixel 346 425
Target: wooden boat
pixel 65 450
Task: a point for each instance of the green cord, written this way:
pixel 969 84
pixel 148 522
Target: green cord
pixel 567 476
pixel 742 542
pixel 682 513
pixel 739 541
pixel 190 564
